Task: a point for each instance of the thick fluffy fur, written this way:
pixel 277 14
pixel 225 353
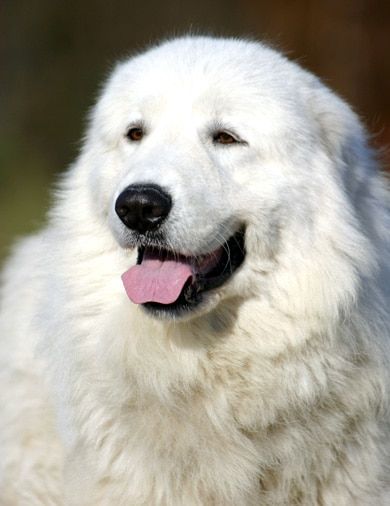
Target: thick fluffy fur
pixel 276 390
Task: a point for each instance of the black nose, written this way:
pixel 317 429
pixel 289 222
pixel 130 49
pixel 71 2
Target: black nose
pixel 143 207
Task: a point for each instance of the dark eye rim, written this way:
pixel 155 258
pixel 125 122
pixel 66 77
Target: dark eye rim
pixel 135 133
pixel 226 138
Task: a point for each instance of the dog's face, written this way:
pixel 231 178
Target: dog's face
pixel 209 158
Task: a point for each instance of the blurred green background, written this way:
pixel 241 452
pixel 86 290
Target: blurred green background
pixel 54 55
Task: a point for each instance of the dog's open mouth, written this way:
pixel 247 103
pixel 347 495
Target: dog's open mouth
pixel 166 282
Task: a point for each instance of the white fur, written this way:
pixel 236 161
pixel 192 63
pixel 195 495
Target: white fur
pixel 276 391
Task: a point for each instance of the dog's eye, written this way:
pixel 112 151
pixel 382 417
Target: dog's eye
pixel 135 134
pixel 223 138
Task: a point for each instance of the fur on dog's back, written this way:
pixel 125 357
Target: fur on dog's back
pixel 275 389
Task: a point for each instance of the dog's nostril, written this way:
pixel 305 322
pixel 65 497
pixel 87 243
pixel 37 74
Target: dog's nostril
pixel 153 212
pixel 122 211
pixel 143 207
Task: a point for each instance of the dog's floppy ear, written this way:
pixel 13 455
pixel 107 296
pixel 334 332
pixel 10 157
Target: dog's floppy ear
pixel 356 165
pixel 346 142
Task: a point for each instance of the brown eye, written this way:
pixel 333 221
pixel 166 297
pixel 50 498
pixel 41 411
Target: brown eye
pixel 135 134
pixel 223 138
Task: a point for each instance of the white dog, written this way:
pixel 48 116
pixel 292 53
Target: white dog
pixel 233 199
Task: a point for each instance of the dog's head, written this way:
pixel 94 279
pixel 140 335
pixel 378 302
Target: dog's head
pixel 226 166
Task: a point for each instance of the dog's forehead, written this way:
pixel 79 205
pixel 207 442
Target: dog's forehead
pixel 224 70
pixel 218 80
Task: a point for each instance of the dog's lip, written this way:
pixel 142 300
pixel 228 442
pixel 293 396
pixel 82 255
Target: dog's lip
pixel 161 275
pixel 200 264
pixel 210 276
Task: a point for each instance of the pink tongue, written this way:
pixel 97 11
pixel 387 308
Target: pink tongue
pixel 156 280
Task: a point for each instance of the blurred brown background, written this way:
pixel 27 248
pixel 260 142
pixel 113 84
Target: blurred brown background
pixel 54 54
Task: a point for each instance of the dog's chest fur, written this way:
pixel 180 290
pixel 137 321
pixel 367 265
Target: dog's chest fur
pixel 209 419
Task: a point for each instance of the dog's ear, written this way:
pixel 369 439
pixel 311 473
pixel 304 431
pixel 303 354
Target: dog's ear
pixel 355 164
pixel 346 142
